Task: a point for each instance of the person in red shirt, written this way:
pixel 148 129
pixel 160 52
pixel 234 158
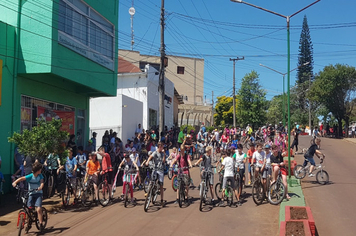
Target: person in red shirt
pixel 249 156
pixel 106 166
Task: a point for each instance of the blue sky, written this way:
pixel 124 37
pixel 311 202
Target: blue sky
pixel 217 30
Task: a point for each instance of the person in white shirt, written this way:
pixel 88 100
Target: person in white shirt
pixel 138 129
pixel 260 157
pixel 228 164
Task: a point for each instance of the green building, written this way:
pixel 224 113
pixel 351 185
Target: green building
pixel 54 56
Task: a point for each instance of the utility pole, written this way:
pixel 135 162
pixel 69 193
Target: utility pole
pixel 233 89
pixel 195 81
pixel 212 107
pixel 161 74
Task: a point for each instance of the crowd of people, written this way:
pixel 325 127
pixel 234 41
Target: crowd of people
pixel 262 151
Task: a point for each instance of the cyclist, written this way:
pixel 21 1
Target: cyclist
pixel 309 156
pixel 240 160
pixel 159 158
pixel 106 165
pixel 249 155
pixel 206 160
pixel 228 164
pixel 136 159
pixel 278 165
pixel 81 160
pixel 129 169
pixel 71 169
pixel 259 157
pixel 35 182
pixel 183 159
pixel 53 163
pixel 92 172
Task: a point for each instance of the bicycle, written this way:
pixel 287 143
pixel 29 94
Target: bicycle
pixel 147 179
pixel 131 177
pixel 153 191
pixel 88 195
pixel 322 177
pixel 258 194
pixel 206 175
pixel 104 191
pixel 218 186
pixel 172 171
pixel 181 185
pixel 28 215
pixel 48 177
pixel 69 190
pixel 21 191
pixel 276 191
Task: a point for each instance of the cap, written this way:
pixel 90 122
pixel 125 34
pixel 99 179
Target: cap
pixel 267 146
pixel 133 149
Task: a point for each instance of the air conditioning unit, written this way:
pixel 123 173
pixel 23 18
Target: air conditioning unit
pixel 186 98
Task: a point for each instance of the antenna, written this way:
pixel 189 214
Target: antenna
pixel 132 13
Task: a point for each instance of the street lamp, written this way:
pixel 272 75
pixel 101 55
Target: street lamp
pixel 283 74
pixel 288 70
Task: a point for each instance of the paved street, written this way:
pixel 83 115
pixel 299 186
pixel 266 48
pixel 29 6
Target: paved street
pixel 171 220
pixel 333 205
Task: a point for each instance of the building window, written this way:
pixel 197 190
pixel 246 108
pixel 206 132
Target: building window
pixel 180 70
pixel 83 30
pixel 33 108
pixel 152 118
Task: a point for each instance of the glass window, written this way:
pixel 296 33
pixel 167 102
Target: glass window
pixel 82 23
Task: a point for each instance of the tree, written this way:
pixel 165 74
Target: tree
pixel 305 54
pixel 334 88
pixel 252 104
pixel 275 109
pixel 41 140
pixel 224 110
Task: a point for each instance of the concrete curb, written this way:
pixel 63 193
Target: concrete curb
pixel 297 198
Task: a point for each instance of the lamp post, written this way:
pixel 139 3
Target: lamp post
pixel 288 70
pixel 284 99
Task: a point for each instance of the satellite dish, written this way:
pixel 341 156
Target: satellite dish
pixel 132 11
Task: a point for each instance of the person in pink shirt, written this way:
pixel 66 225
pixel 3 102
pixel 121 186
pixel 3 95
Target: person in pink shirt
pixel 224 140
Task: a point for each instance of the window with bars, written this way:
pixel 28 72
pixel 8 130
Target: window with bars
pixel 180 70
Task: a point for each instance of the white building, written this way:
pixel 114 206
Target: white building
pixel 137 102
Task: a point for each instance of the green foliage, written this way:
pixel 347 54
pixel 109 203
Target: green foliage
pixel 275 109
pixel 190 127
pixel 252 104
pixel 335 88
pixel 224 110
pixel 41 140
pixel 210 128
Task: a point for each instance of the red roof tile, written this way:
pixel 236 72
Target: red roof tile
pixel 127 67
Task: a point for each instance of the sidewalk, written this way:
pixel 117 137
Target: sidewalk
pixel 10 208
pixel 351 140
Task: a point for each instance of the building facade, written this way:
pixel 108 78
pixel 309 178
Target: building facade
pixel 55 55
pixel 187 74
pixel 137 102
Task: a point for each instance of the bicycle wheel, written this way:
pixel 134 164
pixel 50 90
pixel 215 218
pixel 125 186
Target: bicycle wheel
pixel 299 172
pixel 175 183
pixel 125 196
pixel 202 197
pixel 155 194
pixel 88 196
pixel 218 190
pixel 229 196
pixel 21 221
pixel 103 193
pixel 50 186
pixel 276 193
pixel 181 195
pixel 45 218
pixel 146 183
pixel 322 177
pixel 170 174
pixel 257 192
pixel 66 196
pixel 148 198
pixel 237 182
pixel 78 189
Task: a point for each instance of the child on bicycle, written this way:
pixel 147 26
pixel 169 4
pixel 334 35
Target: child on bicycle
pixel 183 159
pixel 240 160
pixel 128 175
pixel 228 164
pixel 35 186
pixel 309 155
pixel 92 172
pixel 278 165
pixel 249 156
